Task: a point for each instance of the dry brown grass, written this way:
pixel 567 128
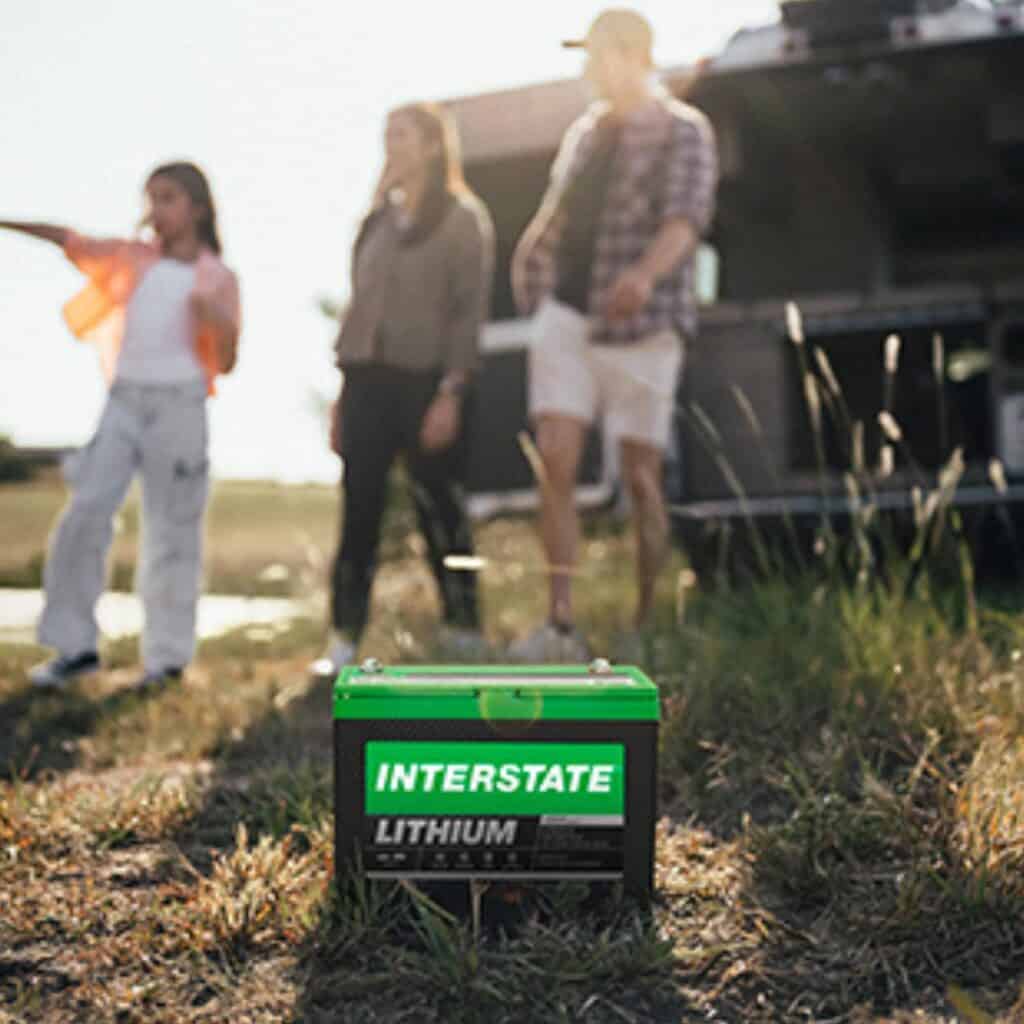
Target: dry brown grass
pixel 841 839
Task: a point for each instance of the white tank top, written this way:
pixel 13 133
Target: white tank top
pixel 159 329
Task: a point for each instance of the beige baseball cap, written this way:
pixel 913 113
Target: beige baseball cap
pixel 618 25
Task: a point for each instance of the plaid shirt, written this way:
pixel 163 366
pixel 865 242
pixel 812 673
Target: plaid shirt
pixel 666 167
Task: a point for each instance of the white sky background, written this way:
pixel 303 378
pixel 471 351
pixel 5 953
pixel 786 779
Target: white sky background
pixel 283 105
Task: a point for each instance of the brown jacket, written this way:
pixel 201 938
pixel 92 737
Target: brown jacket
pixel 420 305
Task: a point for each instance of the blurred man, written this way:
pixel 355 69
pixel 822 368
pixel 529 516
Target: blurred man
pixel 607 267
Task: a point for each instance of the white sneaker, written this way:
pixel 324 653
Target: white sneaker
pixel 462 644
pixel 552 645
pixel 61 670
pixel 339 653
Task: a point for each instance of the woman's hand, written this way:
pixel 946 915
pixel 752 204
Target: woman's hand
pixel 440 424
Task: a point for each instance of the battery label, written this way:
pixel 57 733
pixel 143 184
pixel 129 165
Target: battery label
pixel 494 778
pixel 459 809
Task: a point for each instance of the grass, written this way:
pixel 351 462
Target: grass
pixel 241 516
pixel 841 839
pixel 841 785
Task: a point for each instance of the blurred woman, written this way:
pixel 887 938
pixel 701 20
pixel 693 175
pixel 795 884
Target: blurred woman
pixel 422 266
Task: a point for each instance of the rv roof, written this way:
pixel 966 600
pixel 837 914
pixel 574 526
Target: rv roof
pixel 935 24
pixel 532 119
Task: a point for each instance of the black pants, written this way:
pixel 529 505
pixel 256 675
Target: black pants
pixel 382 409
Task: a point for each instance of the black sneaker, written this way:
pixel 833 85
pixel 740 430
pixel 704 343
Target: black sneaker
pixel 61 670
pixel 156 679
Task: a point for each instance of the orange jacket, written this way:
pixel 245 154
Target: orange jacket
pixel 114 267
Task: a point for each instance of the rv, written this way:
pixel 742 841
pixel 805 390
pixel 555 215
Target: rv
pixel 872 173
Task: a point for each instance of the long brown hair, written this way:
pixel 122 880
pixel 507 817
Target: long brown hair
pixel 445 179
pixel 194 182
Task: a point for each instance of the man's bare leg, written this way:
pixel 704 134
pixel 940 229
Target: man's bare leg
pixel 642 472
pixel 560 441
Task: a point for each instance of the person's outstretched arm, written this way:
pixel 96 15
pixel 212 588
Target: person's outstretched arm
pixel 47 232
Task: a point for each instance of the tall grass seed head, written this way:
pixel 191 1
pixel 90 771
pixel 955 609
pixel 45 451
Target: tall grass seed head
pixel 886 461
pixel 892 354
pixel 707 423
pixel 747 408
pixel 953 470
pixel 825 367
pixel 794 323
pixel 859 462
pixel 686 580
pixel 852 490
pixel 890 427
pixel 813 400
pixel 997 475
pixel 917 500
pixel 938 356
pixel 533 457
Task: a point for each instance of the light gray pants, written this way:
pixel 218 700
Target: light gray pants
pixel 159 431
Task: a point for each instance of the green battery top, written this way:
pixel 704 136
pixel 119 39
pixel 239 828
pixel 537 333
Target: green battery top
pixel 599 692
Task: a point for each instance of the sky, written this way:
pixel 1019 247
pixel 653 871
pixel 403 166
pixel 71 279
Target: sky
pixel 283 105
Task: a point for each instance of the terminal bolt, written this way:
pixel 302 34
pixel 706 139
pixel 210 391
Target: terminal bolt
pixel 600 667
pixel 371 666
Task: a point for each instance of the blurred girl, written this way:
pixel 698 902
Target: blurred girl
pixel 421 280
pixel 164 316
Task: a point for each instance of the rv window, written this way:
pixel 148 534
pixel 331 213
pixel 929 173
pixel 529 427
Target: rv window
pixel 707 265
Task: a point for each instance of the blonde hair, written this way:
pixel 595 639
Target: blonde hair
pixel 445 179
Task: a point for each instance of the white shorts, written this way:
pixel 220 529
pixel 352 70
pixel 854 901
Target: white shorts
pixel 634 386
